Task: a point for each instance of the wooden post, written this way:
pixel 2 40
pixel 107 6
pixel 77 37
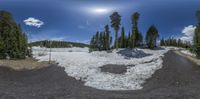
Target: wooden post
pixel 50 53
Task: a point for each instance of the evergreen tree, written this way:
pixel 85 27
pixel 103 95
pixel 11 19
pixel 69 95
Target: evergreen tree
pixel 13 43
pixel 108 40
pixel 130 41
pixel 122 39
pixel 140 39
pixel 151 37
pixel 135 31
pixel 179 43
pixel 175 42
pixel 162 42
pixel 92 44
pixel 115 23
pixel 101 41
pixel 197 36
pixel 97 41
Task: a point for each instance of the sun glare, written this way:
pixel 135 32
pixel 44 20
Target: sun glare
pixel 100 10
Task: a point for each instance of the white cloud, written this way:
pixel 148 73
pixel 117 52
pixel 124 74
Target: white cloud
pixel 189 30
pixel 188 33
pixel 33 22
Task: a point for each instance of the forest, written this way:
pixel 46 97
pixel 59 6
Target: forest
pixel 103 40
pixel 57 44
pixel 13 41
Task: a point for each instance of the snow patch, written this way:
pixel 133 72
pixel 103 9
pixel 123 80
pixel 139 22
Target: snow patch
pixel 85 66
pixel 187 52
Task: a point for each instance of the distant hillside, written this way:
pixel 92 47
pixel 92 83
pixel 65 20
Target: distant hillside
pixel 58 44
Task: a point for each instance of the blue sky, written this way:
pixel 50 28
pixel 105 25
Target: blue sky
pixel 78 20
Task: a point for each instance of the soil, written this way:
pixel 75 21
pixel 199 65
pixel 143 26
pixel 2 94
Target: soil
pixel 23 64
pixel 115 69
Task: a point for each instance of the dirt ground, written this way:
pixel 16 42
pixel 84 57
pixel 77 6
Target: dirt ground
pixel 115 69
pixel 178 79
pixel 27 64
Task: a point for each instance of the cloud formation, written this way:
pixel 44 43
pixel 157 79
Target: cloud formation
pixel 33 22
pixel 188 33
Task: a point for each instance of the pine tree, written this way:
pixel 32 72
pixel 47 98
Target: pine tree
pixel 151 37
pixel 162 42
pixel 130 40
pixel 197 36
pixel 123 38
pixel 97 41
pixel 101 41
pixel 92 44
pixel 115 23
pixel 140 39
pixel 174 42
pixel 120 42
pixel 179 43
pixel 135 31
pixel 13 43
pixel 107 40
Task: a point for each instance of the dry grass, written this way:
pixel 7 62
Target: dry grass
pixel 191 58
pixel 26 64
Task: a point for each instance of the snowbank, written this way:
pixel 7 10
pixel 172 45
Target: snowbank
pixel 41 51
pixel 187 52
pixel 73 49
pixel 85 66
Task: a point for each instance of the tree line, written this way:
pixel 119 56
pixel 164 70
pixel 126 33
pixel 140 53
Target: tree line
pixel 196 40
pixel 13 41
pixel 103 40
pixel 175 42
pixel 57 44
pixel 194 47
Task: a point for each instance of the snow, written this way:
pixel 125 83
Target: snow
pixel 85 66
pixel 41 51
pixel 187 52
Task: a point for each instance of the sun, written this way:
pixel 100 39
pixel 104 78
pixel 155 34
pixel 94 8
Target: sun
pixel 100 10
pixel 93 10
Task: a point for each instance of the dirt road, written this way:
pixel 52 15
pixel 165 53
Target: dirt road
pixel 178 79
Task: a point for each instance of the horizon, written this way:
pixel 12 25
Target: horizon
pixel 77 21
pixel 99 49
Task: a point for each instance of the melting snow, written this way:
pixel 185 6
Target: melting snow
pixel 187 52
pixel 82 65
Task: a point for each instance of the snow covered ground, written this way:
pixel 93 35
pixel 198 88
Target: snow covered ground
pixel 187 52
pixel 84 66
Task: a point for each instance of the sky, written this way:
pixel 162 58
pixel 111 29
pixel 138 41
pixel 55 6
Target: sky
pixel 78 20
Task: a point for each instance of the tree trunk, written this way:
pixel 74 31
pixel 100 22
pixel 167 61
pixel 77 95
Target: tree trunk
pixel 116 37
